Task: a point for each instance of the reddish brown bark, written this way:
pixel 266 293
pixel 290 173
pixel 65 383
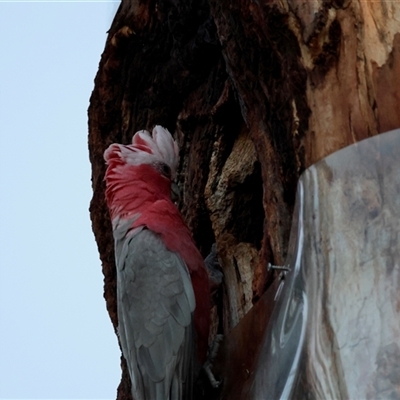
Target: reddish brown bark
pixel 254 92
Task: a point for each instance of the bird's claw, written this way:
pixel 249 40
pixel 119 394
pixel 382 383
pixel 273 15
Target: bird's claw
pixel 210 360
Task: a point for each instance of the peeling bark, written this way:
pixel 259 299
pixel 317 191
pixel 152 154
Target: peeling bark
pixel 254 92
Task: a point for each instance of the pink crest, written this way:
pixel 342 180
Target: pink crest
pixel 147 149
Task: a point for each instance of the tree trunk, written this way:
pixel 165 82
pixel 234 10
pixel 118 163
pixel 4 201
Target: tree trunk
pixel 254 92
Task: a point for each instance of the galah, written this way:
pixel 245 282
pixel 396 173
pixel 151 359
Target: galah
pixel 163 294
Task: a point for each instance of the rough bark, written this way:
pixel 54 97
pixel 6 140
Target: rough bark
pixel 254 92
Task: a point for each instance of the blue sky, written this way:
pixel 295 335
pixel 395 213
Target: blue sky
pixel 56 339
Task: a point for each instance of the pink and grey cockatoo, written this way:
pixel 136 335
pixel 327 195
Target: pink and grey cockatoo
pixel 163 290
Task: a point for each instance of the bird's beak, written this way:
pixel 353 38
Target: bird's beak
pixel 175 193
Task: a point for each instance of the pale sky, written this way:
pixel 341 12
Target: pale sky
pixel 56 339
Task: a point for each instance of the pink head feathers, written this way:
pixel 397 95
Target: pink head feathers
pixel 156 149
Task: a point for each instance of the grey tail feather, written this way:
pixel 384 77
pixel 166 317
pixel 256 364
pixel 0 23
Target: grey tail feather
pixel 187 372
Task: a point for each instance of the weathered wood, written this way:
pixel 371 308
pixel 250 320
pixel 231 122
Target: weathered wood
pixel 255 92
pixel 238 356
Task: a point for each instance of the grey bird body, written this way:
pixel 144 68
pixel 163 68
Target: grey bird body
pixel 155 307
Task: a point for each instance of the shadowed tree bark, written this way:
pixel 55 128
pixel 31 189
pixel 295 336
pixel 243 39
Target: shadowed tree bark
pixel 254 92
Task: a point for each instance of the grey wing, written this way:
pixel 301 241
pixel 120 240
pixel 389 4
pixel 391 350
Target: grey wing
pixel 155 313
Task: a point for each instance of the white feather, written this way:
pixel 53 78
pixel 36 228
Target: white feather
pixel 148 149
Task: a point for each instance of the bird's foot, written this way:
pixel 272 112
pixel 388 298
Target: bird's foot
pixel 212 354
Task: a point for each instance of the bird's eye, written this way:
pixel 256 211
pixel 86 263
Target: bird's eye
pixel 165 170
